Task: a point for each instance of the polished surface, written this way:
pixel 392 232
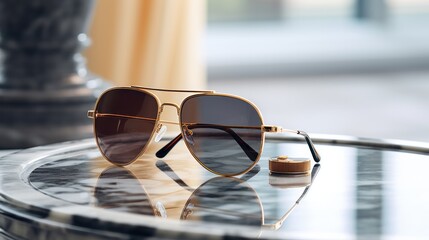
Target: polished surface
pixel 358 191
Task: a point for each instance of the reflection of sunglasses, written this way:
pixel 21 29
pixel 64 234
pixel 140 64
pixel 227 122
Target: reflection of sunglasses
pixel 224 133
pixel 221 200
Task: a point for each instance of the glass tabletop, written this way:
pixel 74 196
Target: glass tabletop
pixel 360 188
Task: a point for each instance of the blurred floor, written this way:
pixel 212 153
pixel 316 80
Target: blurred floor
pixel 384 105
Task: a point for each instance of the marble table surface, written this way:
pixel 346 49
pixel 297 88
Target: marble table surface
pixel 362 188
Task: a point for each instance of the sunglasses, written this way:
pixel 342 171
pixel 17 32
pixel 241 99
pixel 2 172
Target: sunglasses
pixel 224 133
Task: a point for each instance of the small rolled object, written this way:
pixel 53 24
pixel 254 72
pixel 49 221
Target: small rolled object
pixel 292 166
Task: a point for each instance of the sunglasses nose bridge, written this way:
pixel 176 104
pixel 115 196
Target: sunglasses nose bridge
pixel 172 105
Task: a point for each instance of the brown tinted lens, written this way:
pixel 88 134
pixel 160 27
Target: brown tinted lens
pixel 124 123
pixel 223 132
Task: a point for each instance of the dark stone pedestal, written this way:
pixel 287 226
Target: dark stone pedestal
pixel 45 89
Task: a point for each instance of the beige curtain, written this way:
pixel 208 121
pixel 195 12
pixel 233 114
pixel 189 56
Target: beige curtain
pixel 155 43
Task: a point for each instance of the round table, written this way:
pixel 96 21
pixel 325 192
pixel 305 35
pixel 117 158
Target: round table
pixel 361 188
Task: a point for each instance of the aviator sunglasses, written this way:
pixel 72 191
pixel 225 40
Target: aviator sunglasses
pixel 224 133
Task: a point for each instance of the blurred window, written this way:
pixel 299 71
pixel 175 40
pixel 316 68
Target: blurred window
pixel 226 11
pixel 254 11
pixel 281 37
pixel 244 10
pixel 409 7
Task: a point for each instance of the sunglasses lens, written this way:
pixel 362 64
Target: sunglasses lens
pixel 116 184
pixel 124 123
pixel 224 200
pixel 223 133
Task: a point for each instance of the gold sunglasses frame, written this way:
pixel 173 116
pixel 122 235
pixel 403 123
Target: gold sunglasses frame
pixel 194 93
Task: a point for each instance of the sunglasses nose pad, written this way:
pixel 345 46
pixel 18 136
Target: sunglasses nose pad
pixel 188 211
pixel 188 135
pixel 160 132
pixel 160 209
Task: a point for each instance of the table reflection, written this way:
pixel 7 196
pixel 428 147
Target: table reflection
pixel 118 188
pixel 226 200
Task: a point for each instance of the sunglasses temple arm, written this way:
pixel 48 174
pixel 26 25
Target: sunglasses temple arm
pixel 310 144
pixel 248 150
pixel 314 173
pixel 279 223
pixel 248 175
pixel 167 148
pixel 163 166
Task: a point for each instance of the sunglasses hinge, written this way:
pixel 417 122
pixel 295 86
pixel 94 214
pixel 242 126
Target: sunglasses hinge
pixel 90 114
pixel 271 129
